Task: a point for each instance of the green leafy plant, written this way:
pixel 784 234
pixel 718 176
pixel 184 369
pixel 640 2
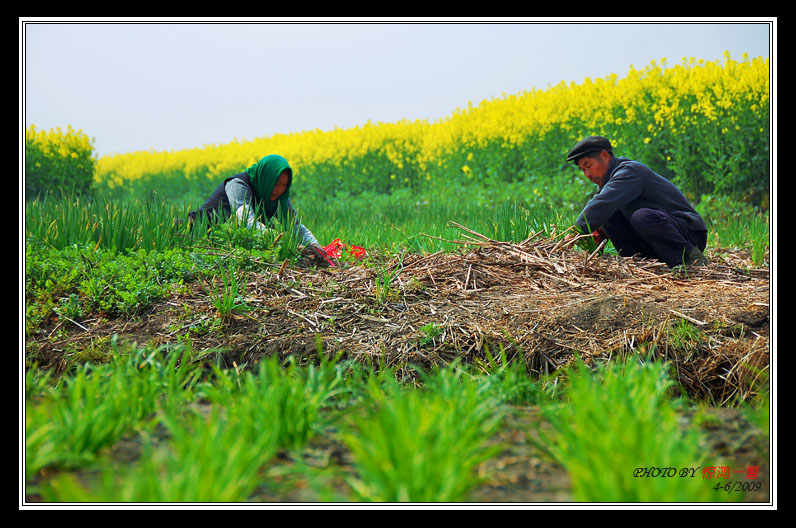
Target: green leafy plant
pixel 226 294
pixel 423 445
pixel 683 337
pixel 123 224
pixel 210 457
pixel 430 332
pixel 289 399
pixel 74 282
pixel 614 423
pixel 509 379
pixel 92 408
pixel 385 275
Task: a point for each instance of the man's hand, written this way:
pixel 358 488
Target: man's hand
pixel 599 235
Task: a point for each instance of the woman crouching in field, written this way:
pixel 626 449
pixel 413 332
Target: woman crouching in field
pixel 261 191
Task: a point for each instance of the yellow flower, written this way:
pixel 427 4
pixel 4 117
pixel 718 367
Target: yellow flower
pixel 666 98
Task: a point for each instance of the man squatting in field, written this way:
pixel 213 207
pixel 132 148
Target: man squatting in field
pixel 639 211
pixel 262 190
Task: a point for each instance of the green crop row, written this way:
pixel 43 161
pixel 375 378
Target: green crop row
pixel 210 434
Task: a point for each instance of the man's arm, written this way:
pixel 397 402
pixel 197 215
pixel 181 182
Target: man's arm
pixel 623 187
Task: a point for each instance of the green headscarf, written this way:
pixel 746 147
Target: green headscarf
pixel 264 175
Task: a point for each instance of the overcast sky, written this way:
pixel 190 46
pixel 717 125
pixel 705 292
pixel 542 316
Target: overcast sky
pixel 155 84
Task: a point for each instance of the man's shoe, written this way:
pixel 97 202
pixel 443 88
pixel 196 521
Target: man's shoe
pixel 695 258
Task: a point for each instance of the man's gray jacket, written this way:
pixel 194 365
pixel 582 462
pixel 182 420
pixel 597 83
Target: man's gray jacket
pixel 629 186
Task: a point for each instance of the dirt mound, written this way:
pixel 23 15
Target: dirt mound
pixel 541 301
pixel 608 312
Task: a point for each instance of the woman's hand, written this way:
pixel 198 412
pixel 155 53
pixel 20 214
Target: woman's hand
pixel 317 256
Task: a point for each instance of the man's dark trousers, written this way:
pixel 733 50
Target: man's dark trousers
pixel 653 234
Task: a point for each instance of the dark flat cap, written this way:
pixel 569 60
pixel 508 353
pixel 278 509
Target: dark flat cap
pixel 589 144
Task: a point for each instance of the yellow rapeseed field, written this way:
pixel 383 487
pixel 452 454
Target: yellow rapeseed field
pixel 693 119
